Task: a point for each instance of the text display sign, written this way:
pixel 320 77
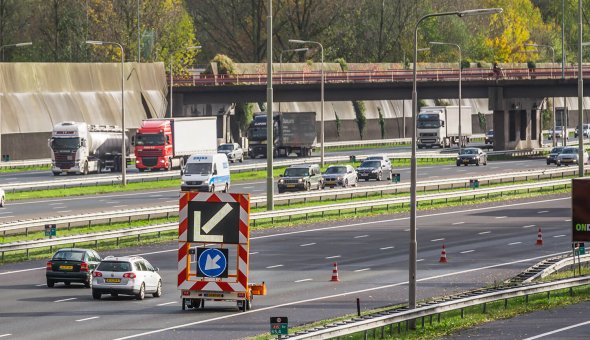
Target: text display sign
pixel 581 210
pixel 214 222
pixel 279 325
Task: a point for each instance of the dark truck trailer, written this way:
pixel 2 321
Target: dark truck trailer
pixel 294 132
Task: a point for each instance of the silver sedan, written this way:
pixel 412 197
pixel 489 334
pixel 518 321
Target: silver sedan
pixel 340 175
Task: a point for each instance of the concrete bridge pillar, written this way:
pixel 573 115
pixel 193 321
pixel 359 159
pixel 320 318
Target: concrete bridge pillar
pixel 517 121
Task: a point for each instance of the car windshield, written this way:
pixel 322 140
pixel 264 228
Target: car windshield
pixel 470 152
pixel 149 139
pixel 375 157
pixel 370 164
pixel 114 266
pixel 428 121
pixel 65 143
pixel 296 172
pixel 556 150
pixel 227 147
pixel 198 169
pixel 570 151
pixel 491 132
pixel 69 255
pixel 336 170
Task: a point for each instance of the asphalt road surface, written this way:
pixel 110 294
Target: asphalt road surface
pixel 485 244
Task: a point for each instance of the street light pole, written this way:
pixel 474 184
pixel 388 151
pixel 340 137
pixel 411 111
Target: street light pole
pixel 413 165
pixel 269 113
pixel 460 76
pixel 294 41
pixel 581 150
pixel 123 143
pixel 553 141
pixel 172 79
pixel 3 94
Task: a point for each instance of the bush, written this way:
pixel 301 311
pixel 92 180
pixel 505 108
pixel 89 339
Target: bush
pixel 531 64
pixel 465 64
pixel 225 65
pixel 441 102
pixel 361 119
pixel 381 123
pixel 244 113
pixel 338 124
pixel 343 64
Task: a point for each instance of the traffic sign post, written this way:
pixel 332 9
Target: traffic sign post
pixel 279 325
pixel 474 183
pixel 50 230
pixel 212 262
pixel 395 178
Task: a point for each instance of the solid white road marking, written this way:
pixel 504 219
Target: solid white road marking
pixel 249 187
pixel 501 216
pixel 57 203
pixel 323 298
pixel 467 251
pixel 458 223
pixel 529 226
pixel 362 270
pixel 332 257
pixel 556 236
pixel 5 212
pixel 385 248
pixel 275 266
pixel 62 300
pixel 437 239
pixel 542 211
pixel 86 319
pixel 514 243
pixel 303 280
pixel 361 236
pixel 119 206
pixel 63 211
pixel 484 232
pixel 558 330
pixel 307 244
pixel 158 195
pixel 166 303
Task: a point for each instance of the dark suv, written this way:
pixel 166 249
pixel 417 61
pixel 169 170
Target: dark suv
pixel 301 177
pixel 72 265
pixel 377 169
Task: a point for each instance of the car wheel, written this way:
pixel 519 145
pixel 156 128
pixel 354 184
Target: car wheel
pixel 345 183
pixel 477 163
pixel 226 188
pixel 281 191
pixel 2 202
pixel 366 179
pixel 56 173
pixel 184 304
pixel 158 291
pixel 242 159
pixel 141 169
pixel 307 186
pixel 88 283
pixel 548 163
pixel 380 176
pixel 389 176
pixel 96 295
pixel 50 283
pixel 141 294
pixel 458 164
pixel 212 189
pixel 231 161
pixel 115 295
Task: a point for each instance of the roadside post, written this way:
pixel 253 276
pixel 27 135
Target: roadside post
pixel 580 216
pixel 352 159
pixel 50 230
pixel 474 183
pixel 279 325
pixel 395 178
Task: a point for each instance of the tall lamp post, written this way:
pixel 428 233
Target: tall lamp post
pixel 295 41
pixel 581 150
pixel 123 144
pixel 2 50
pixel 413 166
pixel 172 79
pixel 553 141
pixel 460 76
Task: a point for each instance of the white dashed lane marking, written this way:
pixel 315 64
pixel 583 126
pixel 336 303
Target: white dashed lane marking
pixel 467 251
pixel 361 236
pixel 556 236
pixel 437 239
pixel 385 248
pixel 62 300
pixel 362 270
pixel 419 260
pixel 166 303
pixel 254 253
pixel 458 223
pixel 501 216
pixel 303 280
pixel 529 226
pixel 5 335
pixel 484 232
pixel 542 211
pixel 514 243
pixel 307 244
pixel 275 266
pixel 332 257
pixel 86 319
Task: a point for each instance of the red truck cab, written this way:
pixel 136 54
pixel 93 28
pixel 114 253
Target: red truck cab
pixel 154 145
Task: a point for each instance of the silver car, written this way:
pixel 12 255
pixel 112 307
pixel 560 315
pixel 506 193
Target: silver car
pixel 569 155
pixel 126 275
pixel 340 175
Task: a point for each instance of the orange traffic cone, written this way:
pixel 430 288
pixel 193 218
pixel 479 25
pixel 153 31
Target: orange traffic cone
pixel 335 274
pixel 539 238
pixel 443 255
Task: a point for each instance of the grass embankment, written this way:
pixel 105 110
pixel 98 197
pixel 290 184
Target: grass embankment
pixel 449 323
pixel 25 168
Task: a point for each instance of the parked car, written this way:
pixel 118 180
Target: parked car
pixel 233 151
pixel 340 175
pixel 126 275
pixel 569 155
pixel 489 138
pixel 301 177
pixel 558 132
pixel 472 156
pixel 71 265
pixel 375 169
pixel 585 130
pixel 552 158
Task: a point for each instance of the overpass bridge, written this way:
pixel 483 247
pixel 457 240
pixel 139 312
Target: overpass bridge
pixel 515 97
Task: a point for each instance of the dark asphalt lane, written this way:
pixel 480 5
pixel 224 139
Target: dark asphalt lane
pixel 128 200
pixel 485 244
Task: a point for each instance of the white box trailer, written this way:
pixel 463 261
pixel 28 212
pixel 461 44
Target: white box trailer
pixel 439 126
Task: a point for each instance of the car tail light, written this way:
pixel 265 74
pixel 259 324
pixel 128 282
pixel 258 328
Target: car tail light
pixel 49 265
pixel 97 274
pixel 129 275
pixel 83 267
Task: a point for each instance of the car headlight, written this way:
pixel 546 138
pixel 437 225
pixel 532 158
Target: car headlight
pixel 182 182
pixel 300 180
pixel 281 181
pixel 374 171
pixel 340 178
pixel 458 158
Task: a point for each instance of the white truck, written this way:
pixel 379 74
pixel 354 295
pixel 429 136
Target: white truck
pixel 439 126
pixel 80 148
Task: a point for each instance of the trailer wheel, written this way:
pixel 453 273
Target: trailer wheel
pixel 56 173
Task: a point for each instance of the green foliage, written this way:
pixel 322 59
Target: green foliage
pixel 381 123
pixel 421 103
pixel 531 64
pixel 482 121
pixel 547 118
pixel 361 119
pixel 338 124
pixel 342 62
pixel 244 113
pixel 225 65
pixel 441 102
pixel 465 64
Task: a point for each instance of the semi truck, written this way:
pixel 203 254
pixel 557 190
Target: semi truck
pixel 163 144
pixel 80 148
pixel 294 132
pixel 439 126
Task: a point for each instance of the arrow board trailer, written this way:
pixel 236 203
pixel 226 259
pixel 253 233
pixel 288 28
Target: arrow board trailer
pixel 213 250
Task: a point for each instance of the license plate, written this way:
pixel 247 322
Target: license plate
pixel 290 185
pixel 214 295
pixel 110 280
pixel 465 161
pixel 66 267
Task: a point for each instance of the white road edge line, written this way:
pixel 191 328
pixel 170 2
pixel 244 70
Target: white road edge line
pixel 323 298
pixel 303 280
pixel 62 300
pixel 558 330
pixel 86 319
pixel 275 266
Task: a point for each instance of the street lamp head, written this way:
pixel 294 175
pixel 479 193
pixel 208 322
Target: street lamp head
pixel 94 42
pixel 304 49
pixel 480 11
pixel 24 44
pixel 297 41
pixel 423 49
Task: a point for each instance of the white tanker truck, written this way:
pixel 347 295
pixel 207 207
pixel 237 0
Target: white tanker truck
pixel 81 148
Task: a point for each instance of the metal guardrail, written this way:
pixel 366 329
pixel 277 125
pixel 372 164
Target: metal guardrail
pixel 311 210
pixel 24 163
pixel 396 316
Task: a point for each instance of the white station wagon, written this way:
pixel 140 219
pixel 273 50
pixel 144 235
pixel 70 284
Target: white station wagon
pixel 127 275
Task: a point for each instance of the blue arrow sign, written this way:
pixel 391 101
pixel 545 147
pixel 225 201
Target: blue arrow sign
pixel 212 262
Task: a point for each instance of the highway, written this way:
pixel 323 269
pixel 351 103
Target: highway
pixel 127 200
pixel 485 244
